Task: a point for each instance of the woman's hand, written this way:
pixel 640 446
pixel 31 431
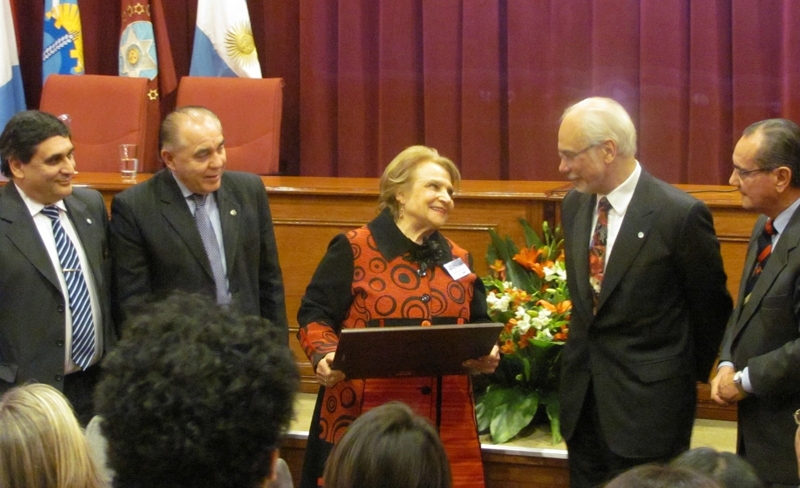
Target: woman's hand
pixel 326 376
pixel 485 364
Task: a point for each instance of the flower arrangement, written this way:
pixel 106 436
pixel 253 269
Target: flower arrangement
pixel 527 291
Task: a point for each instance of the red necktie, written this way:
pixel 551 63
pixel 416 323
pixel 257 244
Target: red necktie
pixel 597 252
pixel 764 251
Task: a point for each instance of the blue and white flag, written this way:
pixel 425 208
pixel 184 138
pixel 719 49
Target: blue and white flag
pixel 12 97
pixel 223 41
pixel 62 51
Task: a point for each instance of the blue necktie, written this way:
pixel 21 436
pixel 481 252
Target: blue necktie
pixel 211 245
pixel 79 304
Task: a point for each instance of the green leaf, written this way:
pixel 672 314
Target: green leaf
pixel 532 239
pixel 519 276
pixel 486 405
pixel 555 419
pixel 499 246
pixel 513 415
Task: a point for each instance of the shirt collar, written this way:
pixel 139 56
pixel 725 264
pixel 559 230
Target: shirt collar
pixel 782 220
pixel 620 197
pixel 35 207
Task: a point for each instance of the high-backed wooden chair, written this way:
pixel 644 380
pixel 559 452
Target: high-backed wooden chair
pixel 105 111
pixel 250 111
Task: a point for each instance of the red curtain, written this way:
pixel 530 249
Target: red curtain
pixel 485 81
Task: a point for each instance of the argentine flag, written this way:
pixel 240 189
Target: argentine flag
pixel 223 41
pixel 12 98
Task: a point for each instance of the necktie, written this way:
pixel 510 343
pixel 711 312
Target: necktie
pixel 763 252
pixel 79 304
pixel 597 252
pixel 212 248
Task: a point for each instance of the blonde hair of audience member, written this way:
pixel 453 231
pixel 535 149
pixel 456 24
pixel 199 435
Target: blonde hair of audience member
pixel 400 173
pixel 391 447
pixel 659 476
pixel 41 443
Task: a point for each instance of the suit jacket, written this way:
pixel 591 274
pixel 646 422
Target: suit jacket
pixel 764 336
pixel 660 319
pixel 156 247
pixel 32 323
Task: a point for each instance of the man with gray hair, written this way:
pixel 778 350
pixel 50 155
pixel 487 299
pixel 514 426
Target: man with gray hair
pixel 649 300
pixel 196 227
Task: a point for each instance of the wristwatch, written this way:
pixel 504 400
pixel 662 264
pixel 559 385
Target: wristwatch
pixel 737 382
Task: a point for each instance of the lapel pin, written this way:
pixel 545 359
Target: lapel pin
pixel 89 221
pixel 233 212
pixel 640 235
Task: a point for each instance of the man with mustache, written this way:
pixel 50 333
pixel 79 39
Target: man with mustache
pixel 55 317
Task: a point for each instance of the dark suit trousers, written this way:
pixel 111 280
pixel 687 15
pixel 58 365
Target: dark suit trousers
pixel 591 461
pixel 79 390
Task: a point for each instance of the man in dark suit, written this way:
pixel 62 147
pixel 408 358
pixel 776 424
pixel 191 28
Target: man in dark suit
pixel 649 311
pixel 196 227
pixel 760 360
pixel 55 317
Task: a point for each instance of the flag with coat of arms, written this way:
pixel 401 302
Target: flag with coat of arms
pixel 12 96
pixel 144 52
pixel 223 41
pixel 62 49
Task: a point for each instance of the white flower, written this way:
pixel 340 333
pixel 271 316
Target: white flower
pixel 542 320
pixel 556 272
pixel 524 320
pixel 498 304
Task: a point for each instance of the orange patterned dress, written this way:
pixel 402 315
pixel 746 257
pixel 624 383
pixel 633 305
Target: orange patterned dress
pixel 376 277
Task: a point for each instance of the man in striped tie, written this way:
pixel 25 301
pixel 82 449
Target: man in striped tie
pixel 759 365
pixel 55 319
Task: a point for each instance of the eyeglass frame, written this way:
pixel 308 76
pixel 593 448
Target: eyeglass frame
pixel 744 172
pixel 571 157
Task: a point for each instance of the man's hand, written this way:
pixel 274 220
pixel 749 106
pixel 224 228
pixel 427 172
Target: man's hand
pixel 723 390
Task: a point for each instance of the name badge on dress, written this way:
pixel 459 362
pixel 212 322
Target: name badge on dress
pixel 457 268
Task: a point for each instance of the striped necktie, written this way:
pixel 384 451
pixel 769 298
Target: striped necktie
pixel 764 251
pixel 79 305
pixel 211 246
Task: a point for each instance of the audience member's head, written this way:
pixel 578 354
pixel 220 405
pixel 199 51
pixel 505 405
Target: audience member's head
pixel 41 443
pixel 196 395
pixel 726 468
pixel 658 476
pixel 390 447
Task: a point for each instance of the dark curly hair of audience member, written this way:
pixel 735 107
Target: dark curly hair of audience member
pixel 389 447
pixel 726 468
pixel 195 395
pixel 659 476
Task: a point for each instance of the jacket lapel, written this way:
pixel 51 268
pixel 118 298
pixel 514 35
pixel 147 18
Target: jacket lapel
pixel 229 211
pixel 24 234
pixel 85 226
pixel 176 212
pixel 635 229
pixel 580 244
pixel 778 260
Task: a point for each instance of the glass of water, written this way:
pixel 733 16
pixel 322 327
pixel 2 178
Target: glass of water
pixel 128 160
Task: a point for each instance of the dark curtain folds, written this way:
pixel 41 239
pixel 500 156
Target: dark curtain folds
pixel 485 81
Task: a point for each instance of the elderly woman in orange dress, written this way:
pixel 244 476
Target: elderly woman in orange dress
pixel 398 270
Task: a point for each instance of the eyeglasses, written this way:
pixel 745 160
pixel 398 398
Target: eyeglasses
pixel 744 172
pixel 569 155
